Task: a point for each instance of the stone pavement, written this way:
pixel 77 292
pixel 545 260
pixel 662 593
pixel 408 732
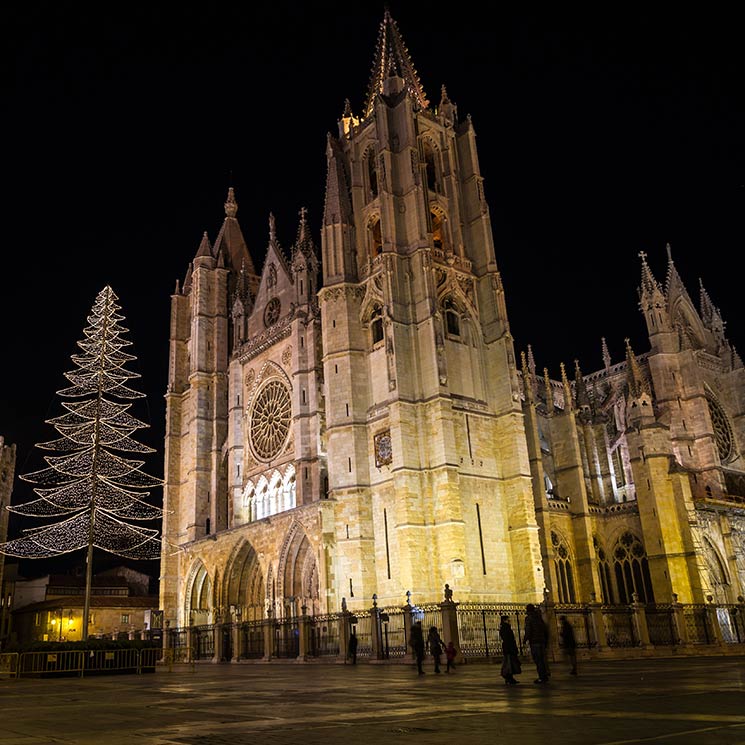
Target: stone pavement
pixel 695 700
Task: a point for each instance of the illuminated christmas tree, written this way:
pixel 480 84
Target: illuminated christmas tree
pixel 94 491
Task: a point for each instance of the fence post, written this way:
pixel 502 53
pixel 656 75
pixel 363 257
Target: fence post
pixel 640 622
pixel 345 628
pixel 217 639
pixel 302 629
pixel 679 622
pixel 598 626
pixel 166 638
pixel 189 643
pixel 376 636
pixel 409 653
pixel 449 611
pixel 713 621
pixel 268 635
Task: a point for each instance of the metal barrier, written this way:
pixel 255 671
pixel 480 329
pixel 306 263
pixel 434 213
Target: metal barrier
pixel 619 626
pixel 697 624
pixel 661 626
pixel 323 635
pixel 53 664
pixel 251 640
pixel 9 665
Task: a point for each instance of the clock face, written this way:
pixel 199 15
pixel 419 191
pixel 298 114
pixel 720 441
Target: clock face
pixel 270 420
pixel 271 312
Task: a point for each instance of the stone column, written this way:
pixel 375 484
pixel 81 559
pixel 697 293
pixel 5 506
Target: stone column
pixel 302 627
pixel 189 643
pixel 679 622
pixel 640 623
pixel 236 639
pixel 345 628
pixel 269 635
pixel 217 639
pixel 549 617
pixel 449 611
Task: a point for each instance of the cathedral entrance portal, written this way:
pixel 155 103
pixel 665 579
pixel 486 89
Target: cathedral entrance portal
pixel 298 575
pixel 245 584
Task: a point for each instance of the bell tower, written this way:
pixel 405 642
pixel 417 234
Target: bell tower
pixel 426 445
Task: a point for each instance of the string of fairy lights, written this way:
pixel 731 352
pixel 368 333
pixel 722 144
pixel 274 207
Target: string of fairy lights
pixel 96 490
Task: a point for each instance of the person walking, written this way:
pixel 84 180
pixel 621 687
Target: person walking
pixel 511 660
pixel 568 643
pixel 417 645
pixel 434 642
pixel 450 654
pixel 352 649
pixel 536 637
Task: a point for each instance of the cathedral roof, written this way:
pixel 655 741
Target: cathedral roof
pixel 392 58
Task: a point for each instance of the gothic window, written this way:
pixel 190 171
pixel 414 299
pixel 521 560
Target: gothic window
pixel 722 429
pixel 376 325
pixel 618 467
pixel 717 575
pixel 438 230
pixel 269 420
pixel 430 165
pixel 372 174
pixel 289 490
pixel 452 318
pixel 249 508
pixel 632 570
pixel 563 565
pixel 375 237
pixel 606 585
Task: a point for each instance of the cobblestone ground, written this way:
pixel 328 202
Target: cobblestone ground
pixel 681 700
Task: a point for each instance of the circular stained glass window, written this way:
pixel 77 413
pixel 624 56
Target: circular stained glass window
pixel 270 420
pixel 271 312
pixel 722 429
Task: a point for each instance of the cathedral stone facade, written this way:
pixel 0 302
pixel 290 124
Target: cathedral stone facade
pixel 355 424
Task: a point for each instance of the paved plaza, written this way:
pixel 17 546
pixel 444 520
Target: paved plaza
pixel 682 700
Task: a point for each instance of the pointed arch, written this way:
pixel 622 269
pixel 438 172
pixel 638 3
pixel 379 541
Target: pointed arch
pixel 718 584
pixel 432 166
pixel 244 582
pixel 298 579
pixel 631 569
pixel 199 598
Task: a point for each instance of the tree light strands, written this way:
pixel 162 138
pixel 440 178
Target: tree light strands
pixel 99 489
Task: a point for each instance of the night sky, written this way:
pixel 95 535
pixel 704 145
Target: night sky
pixel 599 136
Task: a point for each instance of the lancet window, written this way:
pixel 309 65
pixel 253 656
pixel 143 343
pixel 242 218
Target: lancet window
pixel 372 174
pixel 430 166
pixel 376 325
pixel 564 574
pixel 632 569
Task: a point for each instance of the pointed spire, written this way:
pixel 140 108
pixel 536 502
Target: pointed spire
pixel 177 291
pixel 638 384
pixel 304 242
pixel 568 402
pixel 337 206
pixel 527 379
pixel 606 354
pixel 187 279
pixel 650 286
pixel 347 108
pixel 392 57
pixel 447 109
pixel 531 360
pixel 736 359
pixel 580 389
pixel 272 229
pixel 205 249
pixel 549 393
pixel 231 206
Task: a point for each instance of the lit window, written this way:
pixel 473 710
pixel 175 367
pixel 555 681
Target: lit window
pixel 125 617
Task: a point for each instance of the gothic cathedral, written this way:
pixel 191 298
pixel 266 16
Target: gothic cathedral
pixel 357 425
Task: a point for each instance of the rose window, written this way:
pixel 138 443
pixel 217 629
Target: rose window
pixel 270 420
pixel 722 429
pixel 271 312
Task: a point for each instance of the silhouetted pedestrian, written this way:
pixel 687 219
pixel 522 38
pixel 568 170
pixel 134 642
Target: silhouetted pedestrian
pixel 435 646
pixel 352 650
pixel 417 645
pixel 536 636
pixel 511 661
pixel 568 643
pixel 450 655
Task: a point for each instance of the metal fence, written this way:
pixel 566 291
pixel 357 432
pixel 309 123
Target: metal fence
pixel 618 623
pixel 251 638
pixel 661 626
pixel 696 622
pixel 323 635
pixel 393 633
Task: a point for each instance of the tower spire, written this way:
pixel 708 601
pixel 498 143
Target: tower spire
pixel 392 58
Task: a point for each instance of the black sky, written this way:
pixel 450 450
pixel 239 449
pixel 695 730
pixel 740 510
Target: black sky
pixel 600 135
